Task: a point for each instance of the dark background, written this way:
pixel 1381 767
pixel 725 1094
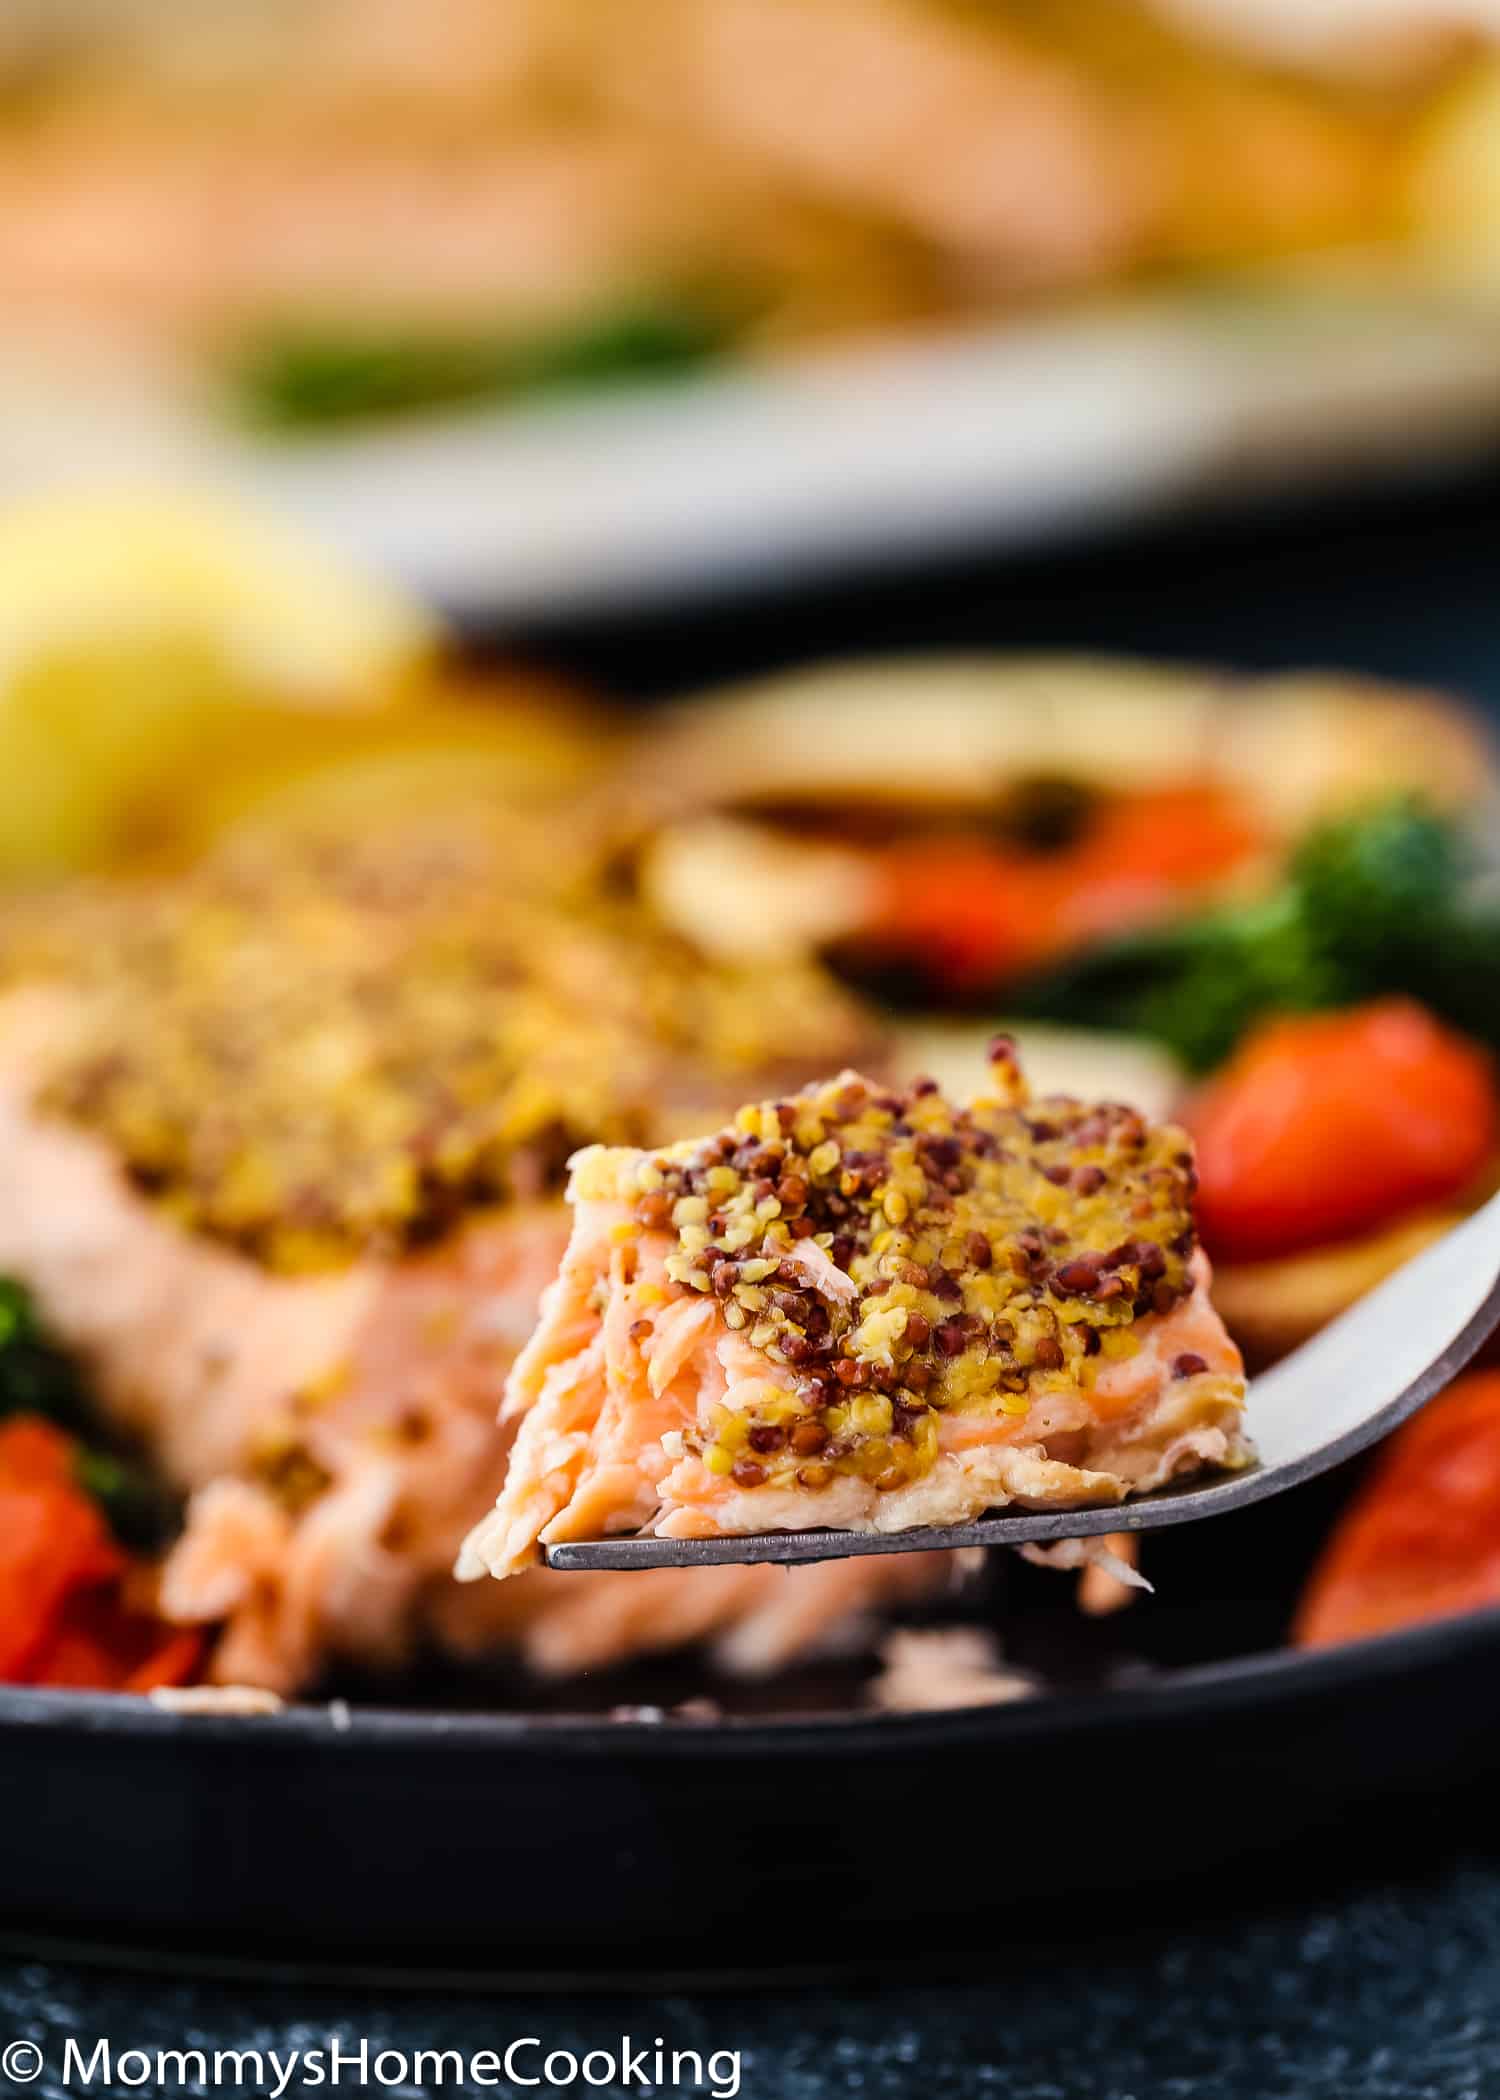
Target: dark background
pixel 1366 1967
pixel 1400 580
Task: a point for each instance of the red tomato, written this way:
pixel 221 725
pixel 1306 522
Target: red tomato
pixel 974 913
pixel 52 1539
pixel 1329 1125
pixel 62 1618
pixel 969 914
pixel 33 1453
pixel 1422 1539
pixel 98 1643
pixel 174 1657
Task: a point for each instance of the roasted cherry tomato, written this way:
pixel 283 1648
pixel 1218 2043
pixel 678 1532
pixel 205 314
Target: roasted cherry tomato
pixel 972 913
pixel 65 1617
pixel 52 1541
pixel 98 1642
pixel 1329 1125
pixel 1422 1538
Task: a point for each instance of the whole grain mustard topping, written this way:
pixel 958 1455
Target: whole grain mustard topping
pixel 321 1047
pixel 903 1257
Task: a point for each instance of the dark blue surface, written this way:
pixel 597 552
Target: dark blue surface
pixel 1386 1995
pixel 1352 1988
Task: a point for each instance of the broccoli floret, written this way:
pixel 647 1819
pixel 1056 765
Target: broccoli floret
pixel 1389 897
pixel 1240 966
pixel 1195 985
pixel 1374 887
pixel 1371 904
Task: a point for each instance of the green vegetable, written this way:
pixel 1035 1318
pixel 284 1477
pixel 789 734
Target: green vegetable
pixel 1374 885
pixel 315 381
pixel 36 1378
pixel 1371 904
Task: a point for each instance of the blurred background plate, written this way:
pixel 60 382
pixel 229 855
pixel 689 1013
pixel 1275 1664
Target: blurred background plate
pixel 1008 438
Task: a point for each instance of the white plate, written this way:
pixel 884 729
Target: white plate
pixel 1006 437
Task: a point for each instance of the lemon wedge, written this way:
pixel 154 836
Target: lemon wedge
pixel 149 649
pixel 280 612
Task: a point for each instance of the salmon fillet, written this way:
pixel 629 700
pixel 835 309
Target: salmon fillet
pixel 337 1435
pixel 963 133
pixel 169 185
pixel 332 1431
pixel 868 1311
pixel 118 224
pixel 326 1398
pixel 512 168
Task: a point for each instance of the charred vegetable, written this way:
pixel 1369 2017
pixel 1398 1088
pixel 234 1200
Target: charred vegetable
pixel 75 1610
pixel 1421 1539
pixel 38 1380
pixel 1372 904
pixel 1324 1126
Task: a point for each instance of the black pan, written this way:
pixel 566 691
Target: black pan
pixel 800 1828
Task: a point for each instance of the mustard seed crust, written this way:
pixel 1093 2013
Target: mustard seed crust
pixel 323 1047
pixel 902 1258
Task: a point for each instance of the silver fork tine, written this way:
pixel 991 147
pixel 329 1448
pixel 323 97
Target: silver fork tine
pixel 792 1548
pixel 1348 1386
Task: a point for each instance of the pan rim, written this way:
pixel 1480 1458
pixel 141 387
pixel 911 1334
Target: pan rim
pixel 1286 1675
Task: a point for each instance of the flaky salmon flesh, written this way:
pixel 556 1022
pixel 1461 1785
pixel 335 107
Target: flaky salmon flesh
pixel 336 1434
pixel 868 1311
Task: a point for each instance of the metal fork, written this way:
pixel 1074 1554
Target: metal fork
pixel 1347 1387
